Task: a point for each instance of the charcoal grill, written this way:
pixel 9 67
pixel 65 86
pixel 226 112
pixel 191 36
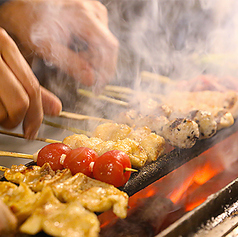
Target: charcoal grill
pixel 158 169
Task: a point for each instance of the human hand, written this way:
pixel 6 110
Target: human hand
pixel 21 96
pixel 72 35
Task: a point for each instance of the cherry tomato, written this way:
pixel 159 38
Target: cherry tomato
pixel 110 168
pixel 81 160
pixel 51 154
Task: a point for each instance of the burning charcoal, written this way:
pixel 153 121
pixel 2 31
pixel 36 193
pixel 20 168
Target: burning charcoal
pixel 145 221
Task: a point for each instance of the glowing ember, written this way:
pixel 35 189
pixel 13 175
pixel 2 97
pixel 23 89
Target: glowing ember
pixel 188 186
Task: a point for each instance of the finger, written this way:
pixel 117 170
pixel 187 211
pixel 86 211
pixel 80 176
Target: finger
pixel 51 104
pixel 3 112
pixel 89 7
pixel 100 11
pixel 21 70
pixel 13 97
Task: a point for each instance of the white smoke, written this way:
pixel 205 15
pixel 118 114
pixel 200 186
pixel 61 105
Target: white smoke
pixel 175 37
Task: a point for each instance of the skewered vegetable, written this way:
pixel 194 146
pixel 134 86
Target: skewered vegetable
pixel 80 160
pixel 110 168
pixel 52 153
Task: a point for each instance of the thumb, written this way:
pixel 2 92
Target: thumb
pixel 52 105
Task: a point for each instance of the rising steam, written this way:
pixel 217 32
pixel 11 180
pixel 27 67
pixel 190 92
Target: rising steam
pixel 175 37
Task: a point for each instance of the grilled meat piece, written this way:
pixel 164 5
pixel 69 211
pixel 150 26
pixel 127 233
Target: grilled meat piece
pixel 182 103
pixel 181 132
pixel 19 199
pixel 94 195
pixel 133 118
pixel 81 140
pixel 129 117
pixel 60 219
pixel 206 123
pixel 155 123
pixel 139 133
pixel 154 146
pixel 112 131
pixel 103 147
pixel 138 144
pixel 224 119
pixel 134 150
pixel 103 196
pixel 36 177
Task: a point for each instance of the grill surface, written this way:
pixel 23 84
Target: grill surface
pixel 146 175
pixel 172 161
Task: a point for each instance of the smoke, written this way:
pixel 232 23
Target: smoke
pixel 180 39
pixel 174 38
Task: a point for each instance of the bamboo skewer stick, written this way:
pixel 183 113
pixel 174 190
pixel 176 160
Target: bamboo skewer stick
pixel 75 130
pixel 81 117
pixel 2 168
pixel 103 97
pixel 117 95
pixel 119 89
pixel 34 158
pixel 126 93
pixel 149 76
pixel 17 155
pixel 22 136
pixel 130 169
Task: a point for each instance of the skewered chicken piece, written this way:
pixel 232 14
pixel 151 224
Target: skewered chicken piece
pixel 209 120
pixel 19 199
pixel 224 119
pixel 134 118
pixel 182 133
pixel 139 133
pixel 137 154
pixel 154 146
pixel 112 131
pixel 206 123
pixel 134 150
pixel 60 219
pixel 81 140
pixel 94 195
pixel 42 211
pixel 101 195
pixel 124 138
pixel 36 177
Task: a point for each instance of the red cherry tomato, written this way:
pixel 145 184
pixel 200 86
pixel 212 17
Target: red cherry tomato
pixel 110 168
pixel 81 160
pixel 51 154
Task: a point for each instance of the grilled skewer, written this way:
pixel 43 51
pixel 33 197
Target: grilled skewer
pixel 48 140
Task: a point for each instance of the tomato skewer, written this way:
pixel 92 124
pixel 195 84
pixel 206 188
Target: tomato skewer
pixel 52 154
pixel 81 160
pixel 111 168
